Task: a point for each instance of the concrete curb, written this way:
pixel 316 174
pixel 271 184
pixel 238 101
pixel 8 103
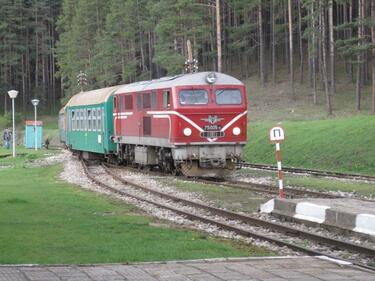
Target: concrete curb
pixel 322 213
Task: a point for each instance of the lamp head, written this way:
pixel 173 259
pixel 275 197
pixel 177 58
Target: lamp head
pixel 12 94
pixel 35 102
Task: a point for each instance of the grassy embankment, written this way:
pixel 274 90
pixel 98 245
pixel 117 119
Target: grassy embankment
pixel 344 141
pixel 45 220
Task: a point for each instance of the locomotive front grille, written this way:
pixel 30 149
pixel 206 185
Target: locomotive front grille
pixel 212 134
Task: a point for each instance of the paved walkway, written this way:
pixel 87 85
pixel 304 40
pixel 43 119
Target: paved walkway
pixel 267 269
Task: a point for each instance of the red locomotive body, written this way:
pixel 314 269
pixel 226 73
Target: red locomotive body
pixel 192 123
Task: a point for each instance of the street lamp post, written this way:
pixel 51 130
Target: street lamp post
pixel 13 94
pixel 35 103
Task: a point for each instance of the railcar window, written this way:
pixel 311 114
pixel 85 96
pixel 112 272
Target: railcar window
pixel 166 99
pixel 85 119
pixel 99 118
pixel 89 119
pixel 72 120
pixel 146 101
pixel 154 100
pixel 77 119
pixel 193 97
pixel 81 120
pixel 128 102
pixel 228 96
pixel 94 119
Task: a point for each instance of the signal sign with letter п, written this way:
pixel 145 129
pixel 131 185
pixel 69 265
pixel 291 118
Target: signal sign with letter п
pixel 277 134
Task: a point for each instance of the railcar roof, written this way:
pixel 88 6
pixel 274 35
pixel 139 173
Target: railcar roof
pixel 178 80
pixel 92 97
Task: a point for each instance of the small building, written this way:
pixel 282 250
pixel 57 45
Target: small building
pixel 29 140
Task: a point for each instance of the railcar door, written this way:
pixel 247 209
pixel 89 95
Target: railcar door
pixel 116 114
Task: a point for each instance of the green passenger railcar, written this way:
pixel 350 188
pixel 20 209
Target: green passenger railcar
pixel 89 121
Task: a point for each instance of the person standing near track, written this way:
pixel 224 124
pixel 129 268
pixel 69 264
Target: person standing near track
pixel 6 138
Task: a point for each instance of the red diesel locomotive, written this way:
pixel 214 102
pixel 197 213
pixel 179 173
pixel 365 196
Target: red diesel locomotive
pixel 194 124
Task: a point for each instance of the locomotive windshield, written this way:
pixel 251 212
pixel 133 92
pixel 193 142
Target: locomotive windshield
pixel 228 96
pixel 193 97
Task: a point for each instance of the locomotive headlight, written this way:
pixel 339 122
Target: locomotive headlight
pixel 211 78
pixel 187 132
pixel 236 131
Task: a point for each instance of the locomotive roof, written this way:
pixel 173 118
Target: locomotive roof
pixel 178 80
pixel 92 97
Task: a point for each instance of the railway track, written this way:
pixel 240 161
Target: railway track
pixel 256 187
pixel 224 219
pixel 312 172
pixel 271 189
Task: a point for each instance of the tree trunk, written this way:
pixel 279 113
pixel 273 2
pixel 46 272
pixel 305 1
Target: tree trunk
pixel 331 48
pixel 218 36
pixel 300 41
pixel 291 46
pixel 359 57
pixel 261 45
pixel 350 36
pixel 273 43
pixel 325 72
pixel 313 54
pixel 36 51
pixel 150 53
pixel 286 41
pixel 373 56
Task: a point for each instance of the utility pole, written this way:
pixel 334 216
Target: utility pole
pixel 218 36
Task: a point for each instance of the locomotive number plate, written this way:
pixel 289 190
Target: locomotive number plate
pixel 212 134
pixel 212 128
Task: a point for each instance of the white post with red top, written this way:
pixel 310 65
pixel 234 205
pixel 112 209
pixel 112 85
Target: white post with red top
pixel 276 136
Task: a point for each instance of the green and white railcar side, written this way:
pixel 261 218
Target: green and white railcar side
pixel 89 121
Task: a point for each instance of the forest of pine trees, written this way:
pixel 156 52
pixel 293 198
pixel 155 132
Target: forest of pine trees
pixel 44 44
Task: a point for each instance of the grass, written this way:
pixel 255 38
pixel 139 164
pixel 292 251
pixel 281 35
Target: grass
pixel 45 220
pixel 311 182
pixel 342 144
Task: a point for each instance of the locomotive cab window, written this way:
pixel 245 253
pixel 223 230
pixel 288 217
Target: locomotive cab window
pixel 228 96
pixel 193 97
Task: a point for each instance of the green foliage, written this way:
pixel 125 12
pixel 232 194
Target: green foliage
pixel 6 120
